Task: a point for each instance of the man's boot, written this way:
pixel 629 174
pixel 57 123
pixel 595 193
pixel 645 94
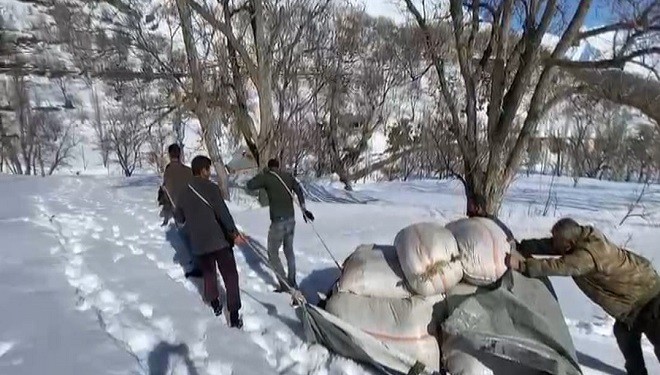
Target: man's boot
pixel 235 320
pixel 217 307
pixel 195 272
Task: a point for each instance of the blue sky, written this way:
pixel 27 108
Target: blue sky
pixel 600 12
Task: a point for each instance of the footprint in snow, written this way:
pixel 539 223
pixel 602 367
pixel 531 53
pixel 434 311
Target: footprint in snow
pixel 219 368
pixel 146 310
pixel 115 231
pixel 134 250
pixel 117 257
pixel 5 347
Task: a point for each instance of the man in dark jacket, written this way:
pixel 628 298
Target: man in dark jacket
pixel 280 186
pixel 213 234
pixel 176 178
pixel 623 283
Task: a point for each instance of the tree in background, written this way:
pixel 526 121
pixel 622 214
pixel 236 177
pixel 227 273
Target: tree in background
pixel 500 66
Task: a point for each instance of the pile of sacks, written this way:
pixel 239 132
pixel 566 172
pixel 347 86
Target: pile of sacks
pixel 398 293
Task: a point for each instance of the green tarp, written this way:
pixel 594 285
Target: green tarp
pixel 518 322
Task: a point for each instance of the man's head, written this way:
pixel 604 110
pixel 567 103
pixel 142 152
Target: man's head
pixel 174 151
pixel 201 167
pixel 273 164
pixel 565 234
pixel 475 206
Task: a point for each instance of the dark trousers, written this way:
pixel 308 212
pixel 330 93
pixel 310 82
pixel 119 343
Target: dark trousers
pixel 191 260
pixel 630 338
pixel 224 259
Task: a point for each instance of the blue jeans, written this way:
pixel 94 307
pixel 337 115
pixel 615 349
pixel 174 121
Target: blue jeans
pixel 281 234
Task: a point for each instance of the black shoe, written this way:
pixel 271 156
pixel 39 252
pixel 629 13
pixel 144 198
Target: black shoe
pixel 195 272
pixel 217 307
pixel 235 320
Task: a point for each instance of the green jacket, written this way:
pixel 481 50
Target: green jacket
pixel 279 196
pixel 619 281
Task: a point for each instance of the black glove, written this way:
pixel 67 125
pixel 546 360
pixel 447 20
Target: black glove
pixel 308 216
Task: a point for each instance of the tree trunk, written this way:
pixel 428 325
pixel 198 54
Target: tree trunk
pixel 201 104
pixel 264 84
pixel 485 201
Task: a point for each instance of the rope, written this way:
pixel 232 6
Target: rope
pixel 325 246
pixel 327 249
pixel 296 294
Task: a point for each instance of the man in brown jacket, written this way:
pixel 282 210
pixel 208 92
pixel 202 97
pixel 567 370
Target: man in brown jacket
pixel 175 180
pixel 624 284
pixel 213 233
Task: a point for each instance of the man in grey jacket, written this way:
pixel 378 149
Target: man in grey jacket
pixel 213 233
pixel 280 186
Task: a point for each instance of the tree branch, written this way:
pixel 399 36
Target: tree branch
pixel 229 34
pixel 617 62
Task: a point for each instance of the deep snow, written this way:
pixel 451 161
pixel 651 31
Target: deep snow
pixel 91 284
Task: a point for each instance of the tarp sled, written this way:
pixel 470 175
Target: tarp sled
pixel 514 326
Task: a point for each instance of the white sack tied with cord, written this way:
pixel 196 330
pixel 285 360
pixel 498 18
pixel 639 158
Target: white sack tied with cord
pixel 373 271
pixel 429 258
pixel 483 247
pixel 408 324
pixel 459 358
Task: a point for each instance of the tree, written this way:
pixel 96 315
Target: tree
pixel 127 135
pixel 55 142
pixel 256 52
pixel 360 67
pixel 200 99
pixel 498 67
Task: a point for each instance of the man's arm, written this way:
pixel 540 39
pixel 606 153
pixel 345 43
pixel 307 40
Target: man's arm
pixel 541 246
pixel 257 182
pixel 577 263
pixel 222 213
pixel 298 190
pixel 179 216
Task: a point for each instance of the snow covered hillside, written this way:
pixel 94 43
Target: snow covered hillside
pixel 91 284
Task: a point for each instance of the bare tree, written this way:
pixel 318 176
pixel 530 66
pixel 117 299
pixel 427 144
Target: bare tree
pixel 157 139
pixel 55 142
pixel 201 103
pixel 500 69
pixel 100 127
pixel 256 52
pixel 359 63
pixel 127 135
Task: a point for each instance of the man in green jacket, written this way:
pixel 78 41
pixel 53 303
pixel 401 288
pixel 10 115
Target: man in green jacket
pixel 624 284
pixel 280 186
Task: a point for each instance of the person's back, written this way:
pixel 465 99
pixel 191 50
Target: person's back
pixel 279 186
pixel 176 179
pixel 622 283
pixel 279 194
pixel 213 233
pixel 202 221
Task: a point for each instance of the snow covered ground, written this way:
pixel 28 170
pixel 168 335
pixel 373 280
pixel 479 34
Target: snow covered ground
pixel 91 284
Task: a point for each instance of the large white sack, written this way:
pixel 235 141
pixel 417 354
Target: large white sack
pixel 429 258
pixel 373 271
pixel 407 324
pixel 426 350
pixel 458 358
pixel 483 247
pixel 392 318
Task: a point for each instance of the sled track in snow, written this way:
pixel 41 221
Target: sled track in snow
pixel 83 228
